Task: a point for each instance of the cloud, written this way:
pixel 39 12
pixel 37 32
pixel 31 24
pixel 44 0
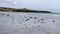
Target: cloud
pixel 50 5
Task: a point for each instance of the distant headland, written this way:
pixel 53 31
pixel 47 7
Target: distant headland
pixel 6 9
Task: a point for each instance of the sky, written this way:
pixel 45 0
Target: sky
pixel 49 5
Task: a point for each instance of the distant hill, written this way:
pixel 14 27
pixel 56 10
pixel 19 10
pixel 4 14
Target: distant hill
pixel 6 9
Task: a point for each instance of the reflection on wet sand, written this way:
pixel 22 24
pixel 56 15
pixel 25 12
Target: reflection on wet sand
pixel 29 23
